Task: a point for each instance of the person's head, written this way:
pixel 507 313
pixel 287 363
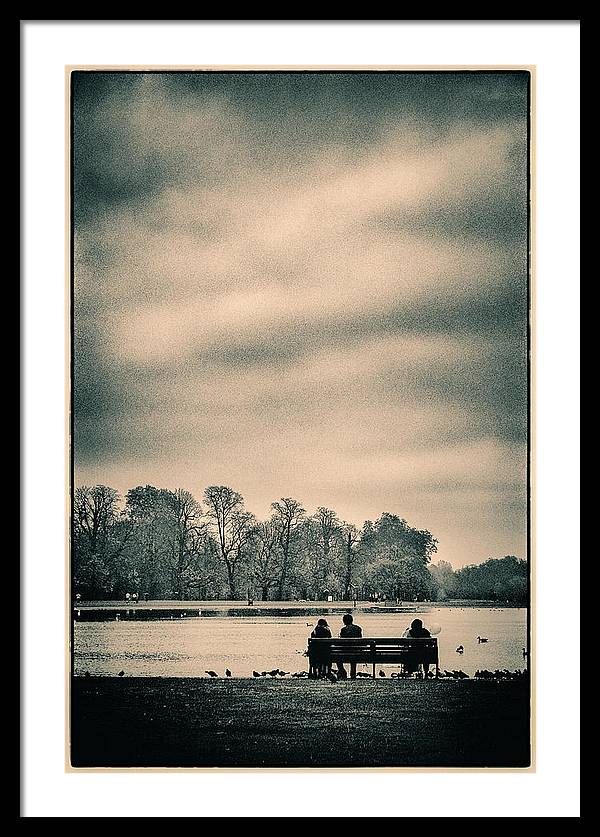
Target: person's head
pixel 322 623
pixel 416 625
pixel 347 619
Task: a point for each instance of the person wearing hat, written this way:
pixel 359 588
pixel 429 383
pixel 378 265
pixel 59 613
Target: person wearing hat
pixel 321 631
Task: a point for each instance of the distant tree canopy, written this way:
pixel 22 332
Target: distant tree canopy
pixel 498 579
pixel 168 545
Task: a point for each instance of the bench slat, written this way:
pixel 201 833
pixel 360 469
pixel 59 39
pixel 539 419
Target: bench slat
pixel 374 649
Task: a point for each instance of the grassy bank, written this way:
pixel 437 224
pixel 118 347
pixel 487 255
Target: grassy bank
pixel 187 722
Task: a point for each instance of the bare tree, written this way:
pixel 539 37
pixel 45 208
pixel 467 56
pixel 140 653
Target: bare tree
pixel 232 525
pixel 327 529
pixel 266 556
pixel 288 515
pixel 350 537
pixel 188 537
pixel 100 534
pixel 95 510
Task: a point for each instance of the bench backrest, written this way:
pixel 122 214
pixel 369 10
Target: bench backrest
pixel 374 649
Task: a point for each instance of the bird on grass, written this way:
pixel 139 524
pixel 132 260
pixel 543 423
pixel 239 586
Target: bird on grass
pixel 382 673
pixel 256 674
pixel 460 649
pixel 227 673
pixel 448 673
pixel 273 673
pixel 482 639
pixel 283 673
pixel 211 673
pixel 121 673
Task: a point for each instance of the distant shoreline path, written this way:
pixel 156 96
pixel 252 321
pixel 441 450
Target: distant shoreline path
pixel 260 608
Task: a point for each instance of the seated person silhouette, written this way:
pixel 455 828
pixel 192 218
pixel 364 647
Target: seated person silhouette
pixel 320 668
pixel 349 630
pixel 416 631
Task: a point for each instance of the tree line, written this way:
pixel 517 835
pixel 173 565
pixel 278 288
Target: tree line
pixel 169 545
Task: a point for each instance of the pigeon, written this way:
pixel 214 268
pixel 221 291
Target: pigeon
pixel 121 673
pixel 227 673
pixel 256 674
pixel 211 673
pixel 283 673
pixel 460 649
pixel 274 673
pixel 448 673
pixel 382 673
pixel 482 639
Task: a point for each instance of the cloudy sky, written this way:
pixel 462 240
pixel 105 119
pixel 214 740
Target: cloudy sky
pixel 307 285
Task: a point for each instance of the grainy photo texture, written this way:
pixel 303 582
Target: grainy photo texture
pixel 300 418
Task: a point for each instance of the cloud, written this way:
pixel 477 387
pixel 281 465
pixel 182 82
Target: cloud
pixel 283 277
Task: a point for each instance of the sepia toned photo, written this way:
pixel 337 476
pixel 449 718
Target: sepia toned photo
pixel 300 379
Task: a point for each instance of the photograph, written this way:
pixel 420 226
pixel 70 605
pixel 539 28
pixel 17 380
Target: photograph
pixel 300 368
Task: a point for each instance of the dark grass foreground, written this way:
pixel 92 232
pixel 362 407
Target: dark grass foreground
pixel 187 722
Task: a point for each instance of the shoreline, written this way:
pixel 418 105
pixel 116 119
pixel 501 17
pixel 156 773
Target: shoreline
pixel 83 610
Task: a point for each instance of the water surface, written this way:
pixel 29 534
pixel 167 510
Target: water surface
pixel 187 647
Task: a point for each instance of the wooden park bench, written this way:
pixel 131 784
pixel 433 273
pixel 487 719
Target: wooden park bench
pixel 410 653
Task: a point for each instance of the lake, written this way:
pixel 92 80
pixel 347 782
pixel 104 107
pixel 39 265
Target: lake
pixel 187 647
